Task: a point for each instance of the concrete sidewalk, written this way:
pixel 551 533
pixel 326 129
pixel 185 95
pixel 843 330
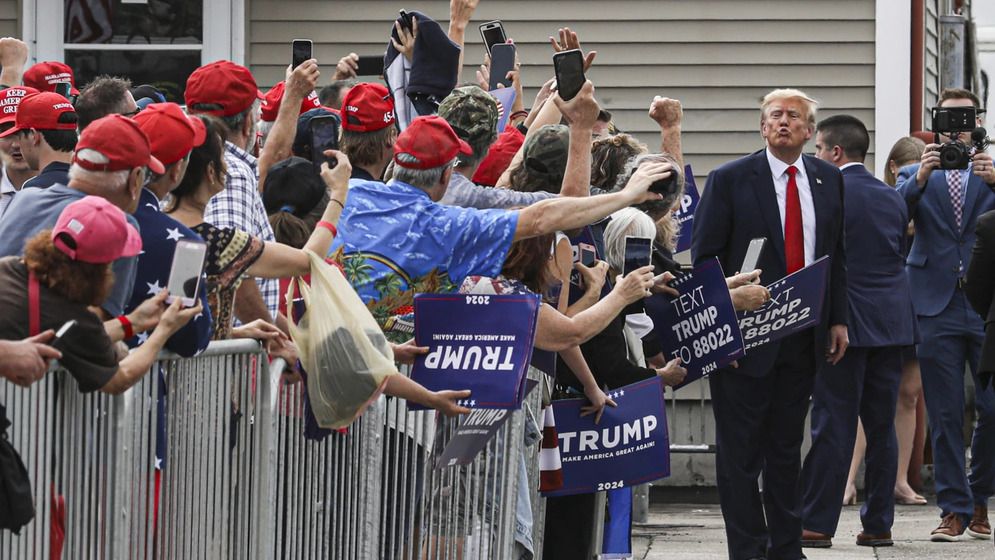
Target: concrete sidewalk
pixel 695 531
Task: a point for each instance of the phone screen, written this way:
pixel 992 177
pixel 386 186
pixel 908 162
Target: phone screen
pixel 753 254
pixel 637 253
pixel 301 51
pixel 185 274
pixel 64 89
pixel 569 66
pixel 324 136
pixel 492 33
pixel 502 62
pixel 587 256
pixel 371 65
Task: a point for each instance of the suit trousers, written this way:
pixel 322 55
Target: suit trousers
pixel 865 384
pixel 759 428
pixel 950 340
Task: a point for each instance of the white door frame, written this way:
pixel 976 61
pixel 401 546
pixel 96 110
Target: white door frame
pixel 892 76
pixel 224 32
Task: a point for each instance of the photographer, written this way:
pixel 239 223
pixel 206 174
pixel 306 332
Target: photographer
pixel 945 201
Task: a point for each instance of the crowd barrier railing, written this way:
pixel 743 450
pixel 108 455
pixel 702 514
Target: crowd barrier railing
pixel 226 472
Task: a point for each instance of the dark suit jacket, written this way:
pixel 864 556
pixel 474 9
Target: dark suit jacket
pixel 880 300
pixel 940 248
pixel 981 287
pixel 739 204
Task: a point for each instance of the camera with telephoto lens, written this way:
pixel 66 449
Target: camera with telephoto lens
pixel 952 121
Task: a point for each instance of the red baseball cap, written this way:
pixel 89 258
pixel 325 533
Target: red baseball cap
pixel 121 141
pixel 499 156
pixel 171 132
pixel 10 99
pixel 431 141
pixel 99 230
pixel 274 97
pixel 45 75
pixel 222 83
pixel 41 111
pixel 367 107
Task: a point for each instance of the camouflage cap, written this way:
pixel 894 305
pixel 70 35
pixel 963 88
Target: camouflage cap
pixel 546 151
pixel 473 114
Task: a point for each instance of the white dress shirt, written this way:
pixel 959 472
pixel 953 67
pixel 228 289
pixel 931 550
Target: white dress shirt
pixel 779 172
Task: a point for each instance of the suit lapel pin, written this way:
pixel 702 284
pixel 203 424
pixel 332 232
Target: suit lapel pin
pixel 818 181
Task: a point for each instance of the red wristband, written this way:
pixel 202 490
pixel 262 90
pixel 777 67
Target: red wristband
pixel 329 226
pixel 129 330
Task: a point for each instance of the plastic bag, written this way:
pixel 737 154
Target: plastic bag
pixel 341 347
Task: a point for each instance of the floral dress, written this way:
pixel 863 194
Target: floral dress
pixel 230 252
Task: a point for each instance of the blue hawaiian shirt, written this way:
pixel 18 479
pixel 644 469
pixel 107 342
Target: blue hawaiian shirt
pixel 394 241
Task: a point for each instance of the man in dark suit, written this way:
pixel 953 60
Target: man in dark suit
pixel 796 202
pixel 945 205
pixel 865 382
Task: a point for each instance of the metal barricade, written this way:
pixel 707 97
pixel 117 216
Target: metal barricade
pixel 238 478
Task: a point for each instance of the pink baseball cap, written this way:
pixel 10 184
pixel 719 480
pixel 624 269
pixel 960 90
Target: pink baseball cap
pixel 98 231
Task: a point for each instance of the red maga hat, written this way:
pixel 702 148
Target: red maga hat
pixel 171 132
pixel 367 107
pixel 10 99
pixel 222 83
pixel 44 76
pixel 431 142
pixel 274 97
pixel 99 231
pixel 121 141
pixel 41 111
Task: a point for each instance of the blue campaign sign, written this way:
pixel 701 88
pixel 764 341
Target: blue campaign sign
pixel 795 305
pixel 630 446
pixel 505 98
pixel 699 327
pixel 685 216
pixel 477 342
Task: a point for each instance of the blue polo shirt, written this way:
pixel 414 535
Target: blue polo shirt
pixel 394 241
pixel 55 173
pixel 160 233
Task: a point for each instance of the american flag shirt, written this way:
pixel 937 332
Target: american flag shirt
pixel 240 207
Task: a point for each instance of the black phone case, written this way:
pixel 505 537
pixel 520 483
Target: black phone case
pixel 502 62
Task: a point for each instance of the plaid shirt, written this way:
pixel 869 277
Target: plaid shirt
pixel 240 207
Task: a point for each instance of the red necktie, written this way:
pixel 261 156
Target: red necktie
pixel 794 238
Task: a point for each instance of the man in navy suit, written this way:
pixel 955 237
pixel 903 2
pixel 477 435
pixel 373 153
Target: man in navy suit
pixel 796 202
pixel 945 205
pixel 865 382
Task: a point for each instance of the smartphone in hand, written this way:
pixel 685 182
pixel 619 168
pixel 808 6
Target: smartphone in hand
pixel 492 33
pixel 324 136
pixel 569 67
pixel 637 253
pixel 300 52
pixel 371 65
pixel 186 271
pixel 753 253
pixel 502 62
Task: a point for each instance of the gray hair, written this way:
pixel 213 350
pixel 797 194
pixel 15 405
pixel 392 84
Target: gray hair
pixel 422 178
pixel 627 222
pixel 105 180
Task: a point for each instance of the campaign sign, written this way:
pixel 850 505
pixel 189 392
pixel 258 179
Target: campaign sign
pixel 505 98
pixel 630 446
pixel 700 326
pixel 795 305
pixel 474 431
pixel 477 342
pixel 685 216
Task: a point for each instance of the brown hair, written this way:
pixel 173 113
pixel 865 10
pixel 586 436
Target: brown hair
pixel 79 282
pixel 609 156
pixel 907 150
pixel 959 93
pixel 366 148
pixel 528 261
pixel 212 151
pixel 289 229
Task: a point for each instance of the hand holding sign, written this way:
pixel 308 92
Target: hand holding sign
pixel 795 304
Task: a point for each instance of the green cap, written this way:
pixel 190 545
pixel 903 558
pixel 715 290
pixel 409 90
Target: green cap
pixel 473 114
pixel 546 151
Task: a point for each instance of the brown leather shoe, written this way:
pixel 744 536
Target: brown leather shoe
pixel 811 539
pixel 882 539
pixel 979 527
pixel 950 530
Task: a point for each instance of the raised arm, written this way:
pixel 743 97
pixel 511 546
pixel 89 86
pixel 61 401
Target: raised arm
pixel 669 115
pixel 300 82
pixel 280 261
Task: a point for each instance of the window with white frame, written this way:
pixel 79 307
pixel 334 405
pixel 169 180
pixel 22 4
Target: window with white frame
pixel 158 42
